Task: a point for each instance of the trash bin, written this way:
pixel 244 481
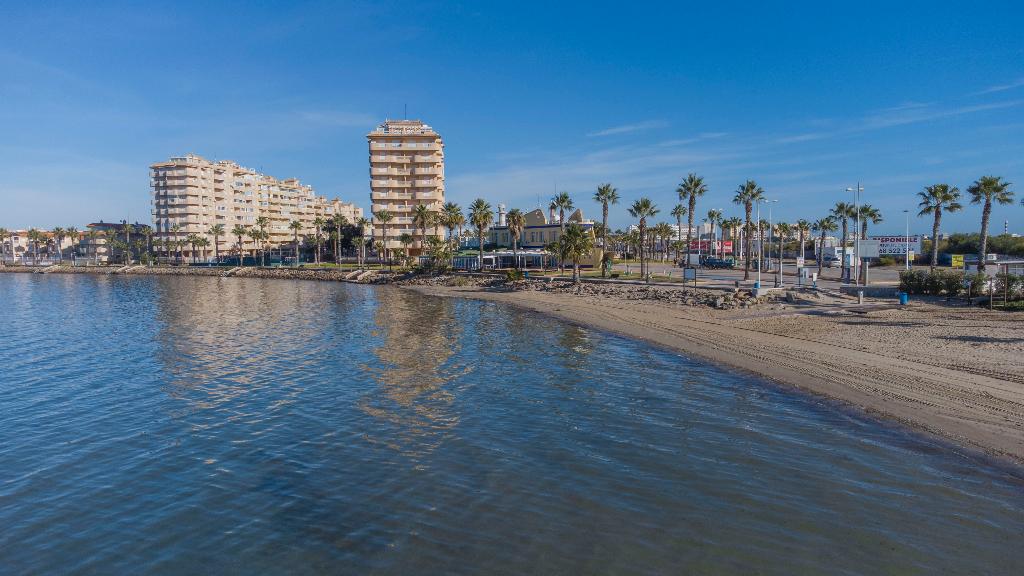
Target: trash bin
pixel 904 298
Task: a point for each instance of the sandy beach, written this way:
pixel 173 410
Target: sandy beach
pixel 956 373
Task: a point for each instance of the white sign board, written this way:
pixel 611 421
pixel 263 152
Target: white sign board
pixel 867 248
pixel 890 245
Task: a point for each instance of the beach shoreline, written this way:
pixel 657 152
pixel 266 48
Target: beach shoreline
pixel 952 373
pixel 966 404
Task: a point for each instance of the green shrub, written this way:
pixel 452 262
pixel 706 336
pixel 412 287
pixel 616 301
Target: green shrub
pixel 513 275
pixel 953 283
pixel 913 281
pixel 1009 284
pixel 887 261
pixel 977 284
pixel 934 283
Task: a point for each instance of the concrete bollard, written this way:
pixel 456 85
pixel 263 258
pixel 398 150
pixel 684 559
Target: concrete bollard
pixel 860 297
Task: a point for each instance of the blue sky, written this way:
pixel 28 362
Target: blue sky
pixel 807 98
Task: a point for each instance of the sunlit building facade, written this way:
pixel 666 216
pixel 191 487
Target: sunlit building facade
pixel 406 170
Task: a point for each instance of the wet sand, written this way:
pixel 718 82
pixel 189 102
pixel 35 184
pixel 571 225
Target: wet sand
pixel 956 373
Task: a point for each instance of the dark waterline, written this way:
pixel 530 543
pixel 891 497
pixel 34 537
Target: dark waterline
pixel 239 426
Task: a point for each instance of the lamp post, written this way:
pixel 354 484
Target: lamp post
pixel 771 228
pixel 760 242
pixel 906 253
pixel 856 233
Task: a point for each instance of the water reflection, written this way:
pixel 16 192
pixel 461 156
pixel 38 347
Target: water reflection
pixel 184 425
pixel 412 398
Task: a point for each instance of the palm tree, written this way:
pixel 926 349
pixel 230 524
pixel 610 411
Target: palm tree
pixel 935 200
pixel 480 216
pixel 421 218
pixel 58 236
pixel 606 195
pixel 384 217
pixel 678 211
pixel 843 212
pixel 192 240
pixel 984 191
pixel 516 222
pixel 575 245
pixel 256 236
pixel 33 237
pixel 714 217
pixel 339 221
pixel 868 213
pixel 823 225
pixel 4 234
pixel 732 225
pixel 92 237
pixel 127 229
pixel 147 234
pixel 318 226
pixel 783 229
pixel 689 190
pixel 239 232
pixel 746 195
pixel 111 239
pixel 802 227
pixel 295 226
pixel 406 240
pixel 452 215
pixel 362 223
pixel 261 236
pixel 217 230
pixel 72 233
pixel 665 232
pixel 174 229
pixel 642 209
pixel 203 243
pixel 563 203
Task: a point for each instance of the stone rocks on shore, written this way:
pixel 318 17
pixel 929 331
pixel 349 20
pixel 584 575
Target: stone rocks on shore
pixel 668 294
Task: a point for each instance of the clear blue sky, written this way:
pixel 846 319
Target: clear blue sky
pixel 804 97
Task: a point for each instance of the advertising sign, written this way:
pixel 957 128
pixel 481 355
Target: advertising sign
pixel 705 246
pixel 868 248
pixel 890 245
pixel 958 260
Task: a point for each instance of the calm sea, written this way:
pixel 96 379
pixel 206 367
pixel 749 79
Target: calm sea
pixel 239 426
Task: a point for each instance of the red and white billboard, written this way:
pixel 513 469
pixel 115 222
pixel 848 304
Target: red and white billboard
pixel 705 246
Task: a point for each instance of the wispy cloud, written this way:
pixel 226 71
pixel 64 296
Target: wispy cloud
pixel 627 128
pixel 1001 87
pixel 904 114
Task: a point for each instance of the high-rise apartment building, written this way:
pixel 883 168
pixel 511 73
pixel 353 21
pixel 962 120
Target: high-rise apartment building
pixel 192 194
pixel 406 170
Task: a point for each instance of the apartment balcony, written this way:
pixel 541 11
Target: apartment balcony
pixel 406 147
pixel 391 183
pixel 390 159
pixel 390 172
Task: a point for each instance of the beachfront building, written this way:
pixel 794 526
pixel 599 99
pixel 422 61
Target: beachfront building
pixel 406 171
pixel 18 247
pixel 96 243
pixel 349 210
pixel 192 194
pixel 540 231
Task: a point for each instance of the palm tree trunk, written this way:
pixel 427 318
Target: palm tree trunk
pixel 515 254
pixel 689 227
pixel 821 253
pixel 746 240
pixel 935 238
pixel 480 246
pixel 986 212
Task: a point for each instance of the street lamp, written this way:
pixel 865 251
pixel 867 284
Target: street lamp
pixel 771 228
pixel 906 252
pixel 760 244
pixel 856 232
